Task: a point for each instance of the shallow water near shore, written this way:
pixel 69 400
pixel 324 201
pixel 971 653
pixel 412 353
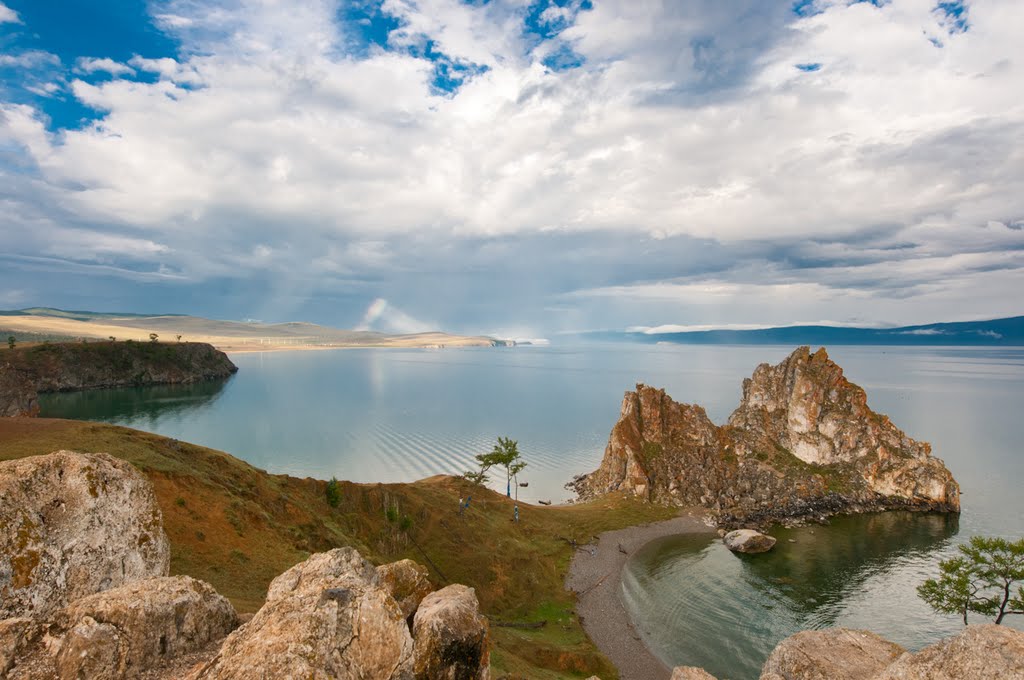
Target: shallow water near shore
pixel 400 415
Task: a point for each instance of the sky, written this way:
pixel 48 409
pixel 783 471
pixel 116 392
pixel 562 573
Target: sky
pixel 521 168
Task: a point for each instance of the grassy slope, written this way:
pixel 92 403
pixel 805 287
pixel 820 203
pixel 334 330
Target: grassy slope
pixel 238 527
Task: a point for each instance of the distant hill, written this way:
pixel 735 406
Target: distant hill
pixel 38 324
pixel 995 332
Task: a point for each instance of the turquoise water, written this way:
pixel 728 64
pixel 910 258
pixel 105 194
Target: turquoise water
pixel 400 415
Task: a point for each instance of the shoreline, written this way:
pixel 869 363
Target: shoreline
pixel 595 575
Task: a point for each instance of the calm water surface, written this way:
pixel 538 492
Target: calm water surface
pixel 399 415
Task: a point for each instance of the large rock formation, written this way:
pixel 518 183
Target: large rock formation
pixel 451 636
pixel 830 655
pixel 324 618
pixel 72 525
pixel 124 631
pixel 802 442
pixel 63 367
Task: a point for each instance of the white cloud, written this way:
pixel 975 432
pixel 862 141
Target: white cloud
pixel 106 65
pixel 8 15
pixel 685 120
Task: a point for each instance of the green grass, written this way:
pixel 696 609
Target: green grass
pixel 238 527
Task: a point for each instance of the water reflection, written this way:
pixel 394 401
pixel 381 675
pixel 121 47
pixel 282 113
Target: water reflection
pixel 132 404
pixel 698 604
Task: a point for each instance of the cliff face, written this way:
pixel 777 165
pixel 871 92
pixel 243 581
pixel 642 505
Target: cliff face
pixel 80 366
pixel 803 442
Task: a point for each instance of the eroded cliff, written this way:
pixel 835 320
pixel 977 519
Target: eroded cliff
pixel 802 443
pixel 63 367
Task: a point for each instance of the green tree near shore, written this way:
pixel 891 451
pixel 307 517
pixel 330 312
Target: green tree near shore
pixel 505 454
pixel 981 579
pixel 10 341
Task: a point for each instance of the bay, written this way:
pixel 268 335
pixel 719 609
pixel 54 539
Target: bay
pixel 399 415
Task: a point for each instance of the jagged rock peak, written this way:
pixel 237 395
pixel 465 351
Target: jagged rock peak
pixel 802 443
pixel 807 405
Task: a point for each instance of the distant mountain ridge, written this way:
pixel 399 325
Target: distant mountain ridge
pixel 994 332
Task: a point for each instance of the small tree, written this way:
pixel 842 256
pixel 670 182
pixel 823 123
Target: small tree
pixel 504 455
pixel 10 341
pixel 981 579
pixel 179 338
pixel 153 337
pixel 476 476
pixel 112 338
pixel 333 493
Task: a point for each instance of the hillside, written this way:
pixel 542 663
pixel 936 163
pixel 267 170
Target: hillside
pixel 995 332
pixel 238 527
pixel 38 324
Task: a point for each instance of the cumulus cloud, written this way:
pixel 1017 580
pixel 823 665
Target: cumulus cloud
pixel 688 168
pixel 8 15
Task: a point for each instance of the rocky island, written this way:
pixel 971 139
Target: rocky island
pixel 64 367
pixel 803 443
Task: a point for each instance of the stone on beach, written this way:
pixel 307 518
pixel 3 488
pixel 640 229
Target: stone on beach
pixel 980 651
pixel 748 541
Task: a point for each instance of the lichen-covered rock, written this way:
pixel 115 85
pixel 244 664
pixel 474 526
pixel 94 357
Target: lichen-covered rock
pixel 980 651
pixel 407 582
pixel 16 635
pixel 802 443
pixel 124 631
pixel 324 618
pixel 831 654
pixel 18 395
pixel 691 673
pixel 71 525
pixel 451 636
pixel 748 541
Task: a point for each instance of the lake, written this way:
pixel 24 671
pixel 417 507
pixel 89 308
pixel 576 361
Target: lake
pixel 399 415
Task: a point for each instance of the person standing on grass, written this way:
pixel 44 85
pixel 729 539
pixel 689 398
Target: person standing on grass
pixel 515 513
pixel 461 506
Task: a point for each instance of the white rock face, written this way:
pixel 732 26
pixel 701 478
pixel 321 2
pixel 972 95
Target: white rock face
pixel 71 525
pixel 327 617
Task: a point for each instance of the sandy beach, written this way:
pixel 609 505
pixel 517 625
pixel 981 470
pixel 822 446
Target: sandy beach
pixel 595 575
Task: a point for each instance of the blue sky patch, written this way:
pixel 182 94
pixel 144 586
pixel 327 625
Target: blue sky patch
pixel 953 16
pixel 67 30
pixel 808 68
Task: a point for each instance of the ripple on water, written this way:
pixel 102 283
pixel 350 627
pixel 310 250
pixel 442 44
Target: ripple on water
pixel 696 603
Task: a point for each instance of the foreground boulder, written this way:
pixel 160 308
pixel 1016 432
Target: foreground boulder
pixel 982 651
pixel 748 541
pixel 802 443
pixel 324 618
pixel 831 654
pixel 71 525
pixel 122 632
pixel 451 636
pixel 407 582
